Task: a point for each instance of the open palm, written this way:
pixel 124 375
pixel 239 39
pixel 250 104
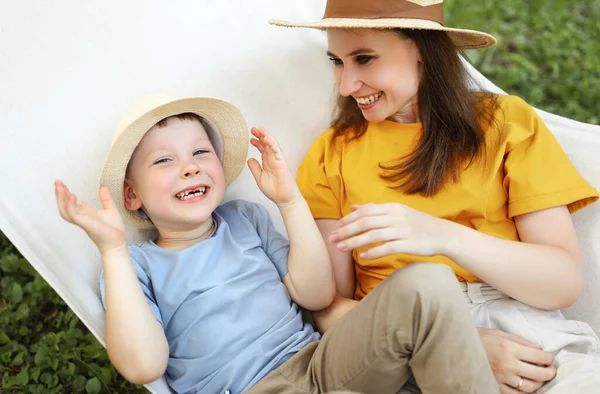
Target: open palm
pixel 273 178
pixel 104 226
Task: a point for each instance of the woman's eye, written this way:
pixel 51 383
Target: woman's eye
pixel 363 59
pixel 335 61
pixel 200 151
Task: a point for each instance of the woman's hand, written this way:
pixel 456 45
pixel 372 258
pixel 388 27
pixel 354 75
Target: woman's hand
pixel 274 177
pixel 513 358
pixel 399 229
pixel 104 226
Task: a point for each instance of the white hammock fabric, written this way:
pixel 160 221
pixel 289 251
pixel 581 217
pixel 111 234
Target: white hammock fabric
pixel 68 73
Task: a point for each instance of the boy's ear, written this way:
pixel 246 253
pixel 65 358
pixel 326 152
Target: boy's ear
pixel 132 201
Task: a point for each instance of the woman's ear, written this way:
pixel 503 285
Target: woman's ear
pixel 130 197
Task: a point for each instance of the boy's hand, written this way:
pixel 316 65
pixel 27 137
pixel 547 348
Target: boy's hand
pixel 104 226
pixel 273 178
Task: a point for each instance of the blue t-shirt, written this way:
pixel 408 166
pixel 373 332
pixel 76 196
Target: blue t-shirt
pixel 227 315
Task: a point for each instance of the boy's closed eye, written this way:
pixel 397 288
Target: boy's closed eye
pixel 161 160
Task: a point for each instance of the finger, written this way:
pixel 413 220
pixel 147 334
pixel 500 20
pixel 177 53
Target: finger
pixel 369 237
pixel 388 248
pixel 533 356
pixel 61 193
pixel 363 211
pixel 270 141
pixel 71 207
pixel 258 145
pixel 255 169
pixel 535 372
pixel 505 389
pixel 361 225
pixel 528 386
pixel 106 198
pixel 258 132
pixel 519 339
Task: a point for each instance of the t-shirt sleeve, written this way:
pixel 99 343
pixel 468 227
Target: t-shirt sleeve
pixel 145 284
pixel 319 178
pixel 538 173
pixel 275 244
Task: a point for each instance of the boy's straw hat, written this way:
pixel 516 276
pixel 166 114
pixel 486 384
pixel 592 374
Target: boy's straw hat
pixel 224 124
pixel 391 14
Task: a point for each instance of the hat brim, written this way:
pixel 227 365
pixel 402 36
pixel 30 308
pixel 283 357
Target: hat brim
pixel 462 38
pixel 228 120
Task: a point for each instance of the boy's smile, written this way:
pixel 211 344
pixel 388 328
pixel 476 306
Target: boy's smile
pixel 176 177
pixel 193 193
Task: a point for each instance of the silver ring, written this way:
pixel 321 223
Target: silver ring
pixel 520 384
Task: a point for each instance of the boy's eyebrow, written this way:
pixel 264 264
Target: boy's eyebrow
pixel 354 52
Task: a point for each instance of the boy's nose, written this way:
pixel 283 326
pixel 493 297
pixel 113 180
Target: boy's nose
pixel 190 169
pixel 190 173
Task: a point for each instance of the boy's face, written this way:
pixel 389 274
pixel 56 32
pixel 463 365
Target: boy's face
pixel 175 176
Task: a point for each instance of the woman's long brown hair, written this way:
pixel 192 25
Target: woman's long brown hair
pixel 454 119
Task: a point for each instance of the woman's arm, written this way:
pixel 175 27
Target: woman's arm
pixel 543 270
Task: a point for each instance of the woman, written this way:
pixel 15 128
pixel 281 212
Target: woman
pixel 416 167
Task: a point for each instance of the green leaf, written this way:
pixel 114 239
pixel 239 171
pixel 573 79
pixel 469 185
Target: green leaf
pixel 42 357
pixel 79 384
pixel 93 386
pixel 4 339
pixel 21 379
pixel 13 293
pixel 35 374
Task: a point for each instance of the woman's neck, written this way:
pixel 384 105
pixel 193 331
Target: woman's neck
pixel 408 114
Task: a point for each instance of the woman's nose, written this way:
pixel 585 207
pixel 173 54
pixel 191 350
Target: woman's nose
pixel 349 83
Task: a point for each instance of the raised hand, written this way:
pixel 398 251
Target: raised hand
pixel 514 358
pixel 398 229
pixel 274 177
pixel 104 226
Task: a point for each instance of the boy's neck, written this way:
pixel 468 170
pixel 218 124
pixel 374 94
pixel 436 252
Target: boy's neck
pixel 179 240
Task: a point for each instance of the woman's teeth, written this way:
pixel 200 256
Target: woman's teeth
pixel 368 100
pixel 191 194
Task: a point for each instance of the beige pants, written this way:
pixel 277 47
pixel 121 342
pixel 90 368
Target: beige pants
pixel 414 322
pixel 575 346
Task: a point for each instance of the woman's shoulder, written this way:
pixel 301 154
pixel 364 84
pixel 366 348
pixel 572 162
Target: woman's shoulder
pixel 514 105
pixel 324 143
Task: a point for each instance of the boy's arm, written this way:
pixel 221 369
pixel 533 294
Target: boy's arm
pixel 135 341
pixel 309 279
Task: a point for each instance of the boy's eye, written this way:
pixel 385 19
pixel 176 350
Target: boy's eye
pixel 161 161
pixel 200 151
pixel 364 59
pixel 335 61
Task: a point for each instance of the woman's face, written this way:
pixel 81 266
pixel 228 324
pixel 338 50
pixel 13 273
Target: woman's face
pixel 379 69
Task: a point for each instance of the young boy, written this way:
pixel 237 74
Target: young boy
pixel 213 300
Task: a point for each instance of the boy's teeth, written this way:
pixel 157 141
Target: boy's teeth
pixel 191 194
pixel 368 100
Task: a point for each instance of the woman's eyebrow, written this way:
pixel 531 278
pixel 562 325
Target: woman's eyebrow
pixel 354 52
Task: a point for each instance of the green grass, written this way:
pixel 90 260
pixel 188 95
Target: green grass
pixel 547 54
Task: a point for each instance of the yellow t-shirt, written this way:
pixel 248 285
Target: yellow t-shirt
pixel 526 171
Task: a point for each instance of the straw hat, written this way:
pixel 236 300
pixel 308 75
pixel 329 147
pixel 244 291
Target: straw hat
pixel 224 124
pixel 392 14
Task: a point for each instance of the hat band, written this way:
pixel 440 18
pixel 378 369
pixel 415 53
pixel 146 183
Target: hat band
pixel 374 9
